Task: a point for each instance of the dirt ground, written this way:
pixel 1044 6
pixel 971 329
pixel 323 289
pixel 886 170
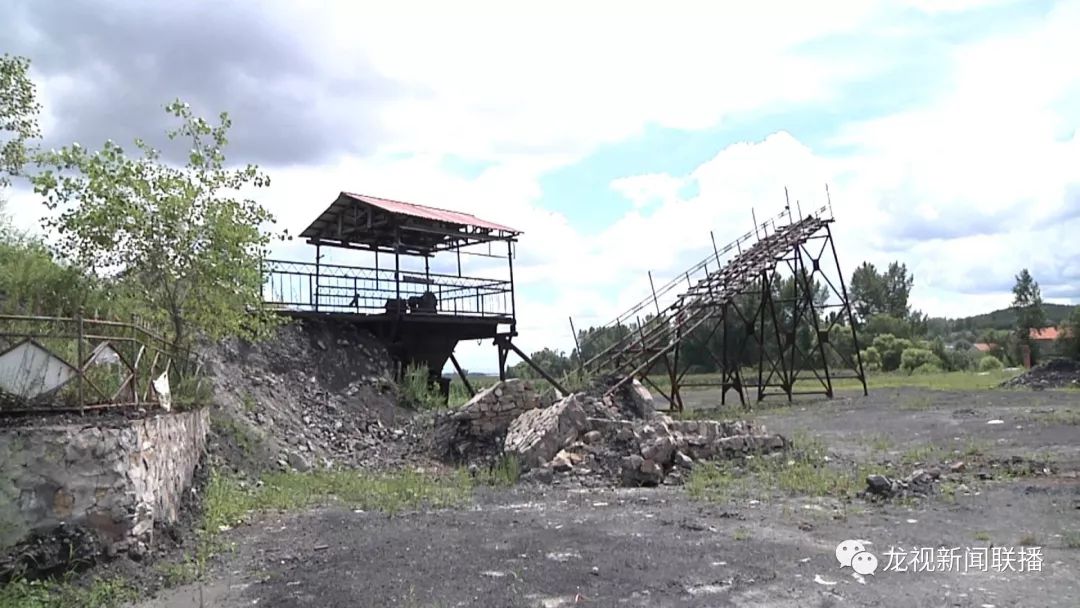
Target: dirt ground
pixel 565 546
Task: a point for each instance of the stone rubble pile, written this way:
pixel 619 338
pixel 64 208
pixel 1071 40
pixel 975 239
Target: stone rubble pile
pixel 315 395
pixel 919 483
pixel 475 431
pixel 1055 373
pixel 591 438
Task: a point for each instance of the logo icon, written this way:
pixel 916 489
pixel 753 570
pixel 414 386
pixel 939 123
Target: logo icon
pixel 846 550
pixel 852 553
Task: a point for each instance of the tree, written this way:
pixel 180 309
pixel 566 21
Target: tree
pixel 1027 302
pixel 555 363
pixel 867 293
pixel 898 285
pixel 18 115
pixel 180 239
pixel 1069 341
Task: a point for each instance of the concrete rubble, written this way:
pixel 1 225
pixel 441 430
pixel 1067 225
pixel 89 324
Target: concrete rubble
pixel 592 438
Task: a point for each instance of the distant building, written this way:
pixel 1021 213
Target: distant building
pixel 983 347
pixel 1044 343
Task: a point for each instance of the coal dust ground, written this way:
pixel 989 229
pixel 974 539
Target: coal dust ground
pixel 567 546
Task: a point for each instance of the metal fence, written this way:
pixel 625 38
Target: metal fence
pixel 74 363
pixel 335 288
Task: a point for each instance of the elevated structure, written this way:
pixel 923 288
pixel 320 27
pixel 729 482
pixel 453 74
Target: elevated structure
pixel 420 313
pixel 780 303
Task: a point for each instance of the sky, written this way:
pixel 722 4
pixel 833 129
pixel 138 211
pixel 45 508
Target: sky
pixel 616 135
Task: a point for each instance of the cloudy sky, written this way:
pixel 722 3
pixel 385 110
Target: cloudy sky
pixel 617 136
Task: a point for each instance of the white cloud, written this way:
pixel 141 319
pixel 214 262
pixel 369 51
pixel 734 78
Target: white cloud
pixel 533 90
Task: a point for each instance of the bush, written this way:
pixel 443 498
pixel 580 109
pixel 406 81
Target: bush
pixel 914 358
pixel 927 368
pixel 990 363
pixel 871 359
pixel 417 391
pixel 891 349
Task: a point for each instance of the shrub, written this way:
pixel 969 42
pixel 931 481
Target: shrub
pixel 914 358
pixel 990 363
pixel 871 359
pixel 927 368
pixel 417 391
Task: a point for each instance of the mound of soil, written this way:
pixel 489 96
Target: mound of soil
pixel 317 394
pixel 1055 373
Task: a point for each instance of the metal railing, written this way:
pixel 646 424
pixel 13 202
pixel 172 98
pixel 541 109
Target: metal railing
pixel 76 363
pixel 334 288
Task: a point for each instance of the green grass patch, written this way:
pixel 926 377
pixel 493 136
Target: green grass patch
pixel 802 471
pixel 982 536
pixel 228 501
pixel 504 474
pixel 1062 417
pixel 101 593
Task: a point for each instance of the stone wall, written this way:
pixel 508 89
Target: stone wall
pixel 116 480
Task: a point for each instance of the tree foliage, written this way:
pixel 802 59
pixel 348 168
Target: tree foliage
pixel 881 293
pixel 182 240
pixel 1069 341
pixel 1027 302
pixel 18 115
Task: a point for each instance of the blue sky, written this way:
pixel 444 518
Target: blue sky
pixel 618 135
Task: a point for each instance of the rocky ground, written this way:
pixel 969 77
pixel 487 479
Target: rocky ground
pixel 978 469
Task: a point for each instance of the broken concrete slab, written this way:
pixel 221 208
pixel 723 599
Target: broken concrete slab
pixel 536 436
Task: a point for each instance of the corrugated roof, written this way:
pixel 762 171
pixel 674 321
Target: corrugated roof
pixel 430 213
pixel 1044 333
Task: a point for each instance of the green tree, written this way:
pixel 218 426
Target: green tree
pixel 182 240
pixel 898 285
pixel 1027 302
pixel 1069 341
pixel 867 292
pixel 18 115
pixel 555 363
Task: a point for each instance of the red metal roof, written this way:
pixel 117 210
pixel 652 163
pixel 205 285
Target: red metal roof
pixel 1045 333
pixel 430 213
pixel 983 347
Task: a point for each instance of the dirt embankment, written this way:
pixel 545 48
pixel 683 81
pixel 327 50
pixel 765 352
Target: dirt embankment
pixel 317 394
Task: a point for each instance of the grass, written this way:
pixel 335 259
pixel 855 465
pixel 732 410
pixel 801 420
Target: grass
pixel 917 403
pixel 1063 417
pixel 804 471
pixel 925 453
pixel 228 502
pixel 101 593
pixel 982 536
pixel 1072 539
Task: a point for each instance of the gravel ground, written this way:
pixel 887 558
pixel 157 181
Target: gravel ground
pixel 566 546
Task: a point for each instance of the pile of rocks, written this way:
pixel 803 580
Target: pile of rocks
pixel 316 394
pixel 919 483
pixel 476 430
pixel 591 438
pixel 1055 373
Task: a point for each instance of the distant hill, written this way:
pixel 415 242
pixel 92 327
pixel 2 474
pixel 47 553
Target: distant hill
pixel 1006 318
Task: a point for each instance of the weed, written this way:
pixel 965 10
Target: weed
pixel 805 470
pixel 917 403
pixel 742 534
pixel 1028 540
pixel 101 593
pixel 982 536
pixel 1065 417
pixel 418 391
pixel 927 453
pixel 230 428
pixel 503 474
pixel 878 442
pixel 1072 539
